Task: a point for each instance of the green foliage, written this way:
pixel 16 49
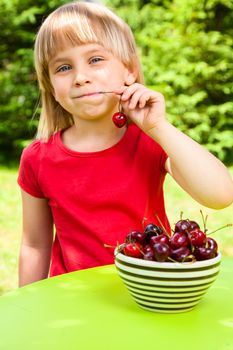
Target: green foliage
pixel 19 20
pixel 186 47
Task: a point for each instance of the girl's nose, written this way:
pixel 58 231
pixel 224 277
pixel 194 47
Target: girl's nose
pixel 81 78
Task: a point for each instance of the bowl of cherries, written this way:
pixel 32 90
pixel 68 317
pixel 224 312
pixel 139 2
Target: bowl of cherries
pixel 168 273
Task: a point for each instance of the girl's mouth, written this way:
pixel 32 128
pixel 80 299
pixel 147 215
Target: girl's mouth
pixel 95 93
pixel 88 94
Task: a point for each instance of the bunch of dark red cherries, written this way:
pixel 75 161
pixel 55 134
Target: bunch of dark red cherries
pixel 186 243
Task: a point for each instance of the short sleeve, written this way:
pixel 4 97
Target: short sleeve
pixel 163 159
pixel 29 169
pixel 159 156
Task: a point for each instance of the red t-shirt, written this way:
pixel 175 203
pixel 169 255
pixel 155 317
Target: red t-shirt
pixel 96 198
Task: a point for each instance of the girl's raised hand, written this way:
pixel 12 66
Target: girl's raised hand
pixel 143 106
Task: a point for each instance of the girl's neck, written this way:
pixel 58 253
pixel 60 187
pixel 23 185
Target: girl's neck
pixel 88 136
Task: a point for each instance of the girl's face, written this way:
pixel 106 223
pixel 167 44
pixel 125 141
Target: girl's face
pixel 79 74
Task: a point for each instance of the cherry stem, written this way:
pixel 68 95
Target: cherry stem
pixel 141 251
pixel 220 228
pixel 143 222
pixel 110 246
pixel 181 215
pixel 189 257
pixel 204 219
pixel 184 260
pixel 109 92
pixel 170 259
pixel 160 222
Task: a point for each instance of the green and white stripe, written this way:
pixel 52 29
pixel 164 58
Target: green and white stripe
pixel 167 286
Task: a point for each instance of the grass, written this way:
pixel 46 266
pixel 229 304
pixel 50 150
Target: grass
pixel 176 201
pixel 10 229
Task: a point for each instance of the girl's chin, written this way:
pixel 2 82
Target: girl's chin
pixel 95 118
pixel 94 114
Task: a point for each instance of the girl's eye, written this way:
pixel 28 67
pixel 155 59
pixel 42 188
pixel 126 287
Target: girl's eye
pixel 96 59
pixel 64 68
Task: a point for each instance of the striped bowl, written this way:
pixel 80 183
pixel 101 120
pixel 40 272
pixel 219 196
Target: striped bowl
pixel 167 287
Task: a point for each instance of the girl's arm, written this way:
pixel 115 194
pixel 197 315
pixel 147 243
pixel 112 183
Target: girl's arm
pixel 196 170
pixel 37 238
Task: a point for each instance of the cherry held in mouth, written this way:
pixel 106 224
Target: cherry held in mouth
pixel 119 119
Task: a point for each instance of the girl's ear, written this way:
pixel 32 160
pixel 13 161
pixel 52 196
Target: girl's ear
pixel 131 76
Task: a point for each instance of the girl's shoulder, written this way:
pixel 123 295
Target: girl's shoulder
pixel 146 148
pixel 137 134
pixel 38 147
pixel 31 162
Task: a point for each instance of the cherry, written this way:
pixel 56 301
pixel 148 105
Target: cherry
pixel 193 225
pixel 187 243
pixel 147 249
pixel 204 253
pixel 149 256
pixel 182 226
pixel 160 238
pixel 212 244
pixel 197 237
pixel 119 119
pixel 148 252
pixel 181 254
pixel 135 236
pixel 152 230
pixel 161 251
pixel 178 240
pixel 133 249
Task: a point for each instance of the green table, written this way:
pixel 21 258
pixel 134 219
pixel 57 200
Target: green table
pixel 91 309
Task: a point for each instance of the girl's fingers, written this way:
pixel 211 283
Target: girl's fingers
pixel 119 91
pixel 144 98
pixel 139 98
pixel 137 95
pixel 130 90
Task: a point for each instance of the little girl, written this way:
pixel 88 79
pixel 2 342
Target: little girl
pixel 83 176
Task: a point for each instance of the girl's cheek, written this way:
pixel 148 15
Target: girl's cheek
pixel 112 77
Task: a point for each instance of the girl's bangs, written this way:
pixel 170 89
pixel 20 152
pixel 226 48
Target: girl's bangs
pixel 77 32
pixel 68 31
pixel 69 35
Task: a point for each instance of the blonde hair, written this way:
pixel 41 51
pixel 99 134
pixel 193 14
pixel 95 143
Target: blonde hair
pixel 74 24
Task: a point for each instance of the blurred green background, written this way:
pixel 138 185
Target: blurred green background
pixel 186 48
